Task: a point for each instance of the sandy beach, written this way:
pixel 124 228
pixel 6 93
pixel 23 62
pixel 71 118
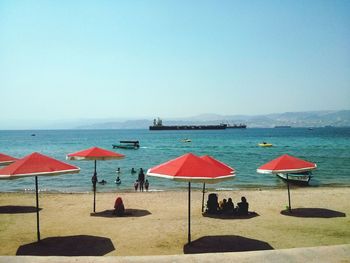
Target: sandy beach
pixel 156 223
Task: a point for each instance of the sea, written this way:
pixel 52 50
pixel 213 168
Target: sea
pixel 328 147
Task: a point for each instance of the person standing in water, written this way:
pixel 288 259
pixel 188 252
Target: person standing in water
pixel 146 185
pixel 141 179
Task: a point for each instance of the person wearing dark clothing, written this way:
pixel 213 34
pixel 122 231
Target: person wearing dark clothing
pixel 94 181
pixel 119 208
pixel 243 206
pixel 223 205
pixel 146 185
pixel 229 209
pixel 141 179
pixel 117 180
pixel 136 185
pixel 212 204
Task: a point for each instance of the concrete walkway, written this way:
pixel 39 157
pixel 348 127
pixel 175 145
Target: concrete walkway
pixel 339 253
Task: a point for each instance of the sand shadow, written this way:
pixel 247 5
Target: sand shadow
pixel 215 244
pixel 313 212
pixel 17 209
pixel 128 213
pixel 81 245
pixel 232 217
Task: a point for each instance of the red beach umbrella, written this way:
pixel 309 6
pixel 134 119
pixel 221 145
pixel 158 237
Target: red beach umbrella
pixel 6 159
pixel 190 168
pixel 216 162
pixel 94 153
pixel 36 164
pixel 286 164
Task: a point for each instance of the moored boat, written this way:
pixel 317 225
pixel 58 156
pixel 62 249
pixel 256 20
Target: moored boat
pixel 296 178
pixel 127 145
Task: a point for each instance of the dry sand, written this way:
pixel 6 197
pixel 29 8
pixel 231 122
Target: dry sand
pixel 158 223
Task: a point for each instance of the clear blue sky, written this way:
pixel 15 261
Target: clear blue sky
pixel 131 59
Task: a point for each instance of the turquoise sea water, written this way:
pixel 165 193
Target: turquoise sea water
pixel 328 147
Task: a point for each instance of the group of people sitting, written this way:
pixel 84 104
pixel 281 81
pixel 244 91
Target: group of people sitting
pixel 226 206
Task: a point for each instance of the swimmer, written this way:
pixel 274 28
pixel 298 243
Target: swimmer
pixel 117 180
pixel 102 182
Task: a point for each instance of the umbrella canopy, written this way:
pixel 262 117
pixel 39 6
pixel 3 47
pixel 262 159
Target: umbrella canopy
pixel 190 168
pixel 6 159
pixel 94 153
pixel 36 164
pixel 286 164
pixel 217 163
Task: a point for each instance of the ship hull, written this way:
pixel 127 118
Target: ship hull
pixel 188 127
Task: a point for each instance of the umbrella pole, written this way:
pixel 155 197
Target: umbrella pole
pixel 37 208
pixel 203 197
pixel 189 212
pixel 289 207
pixel 95 174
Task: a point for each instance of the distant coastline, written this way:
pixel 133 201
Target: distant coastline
pixel 310 119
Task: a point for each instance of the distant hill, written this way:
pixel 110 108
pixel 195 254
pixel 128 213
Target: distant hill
pixel 294 119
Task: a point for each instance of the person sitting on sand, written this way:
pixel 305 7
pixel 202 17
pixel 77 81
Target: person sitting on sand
pixel 146 185
pixel 119 208
pixel 117 180
pixel 222 205
pixel 136 185
pixel 229 209
pixel 212 204
pixel 242 207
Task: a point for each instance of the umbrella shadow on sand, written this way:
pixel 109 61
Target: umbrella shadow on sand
pixel 17 209
pixel 81 245
pixel 217 244
pixel 128 213
pixel 232 217
pixel 313 212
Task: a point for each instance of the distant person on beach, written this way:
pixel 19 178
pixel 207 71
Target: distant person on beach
pixel 230 208
pixel 141 179
pixel 242 207
pixel 212 204
pixel 222 205
pixel 119 208
pixel 94 181
pixel 136 185
pixel 146 185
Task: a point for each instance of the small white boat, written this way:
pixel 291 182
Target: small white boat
pixel 296 178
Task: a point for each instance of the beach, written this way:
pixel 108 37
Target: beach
pixel 157 222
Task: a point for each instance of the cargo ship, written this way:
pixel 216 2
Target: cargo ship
pixel 158 126
pixel 236 126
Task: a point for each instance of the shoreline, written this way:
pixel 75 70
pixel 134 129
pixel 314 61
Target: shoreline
pixel 157 222
pixel 180 189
